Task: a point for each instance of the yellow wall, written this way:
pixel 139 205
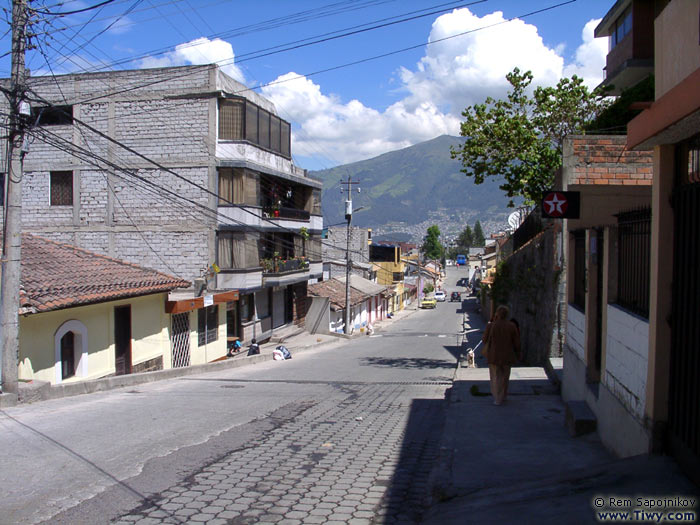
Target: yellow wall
pixel 212 351
pixel 149 330
pixel 385 272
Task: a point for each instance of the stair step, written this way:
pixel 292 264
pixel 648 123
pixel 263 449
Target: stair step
pixel 580 419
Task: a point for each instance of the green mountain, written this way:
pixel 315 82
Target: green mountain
pixel 402 189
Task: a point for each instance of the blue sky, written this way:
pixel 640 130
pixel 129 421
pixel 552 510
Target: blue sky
pixel 350 113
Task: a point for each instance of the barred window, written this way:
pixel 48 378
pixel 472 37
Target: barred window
pixel 61 188
pixel 247 307
pixel 208 324
pixel 634 255
pixel 2 189
pixel 580 269
pixel 231 119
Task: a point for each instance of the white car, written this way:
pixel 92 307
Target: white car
pixel 440 296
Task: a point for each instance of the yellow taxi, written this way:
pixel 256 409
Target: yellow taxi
pixel 428 302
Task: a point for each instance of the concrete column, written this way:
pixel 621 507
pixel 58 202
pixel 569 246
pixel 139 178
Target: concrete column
pixel 660 293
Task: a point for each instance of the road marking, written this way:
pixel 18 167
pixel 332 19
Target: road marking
pixel 442 335
pixel 376 336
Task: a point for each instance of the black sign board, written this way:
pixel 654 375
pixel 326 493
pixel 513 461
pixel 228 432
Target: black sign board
pixel 561 205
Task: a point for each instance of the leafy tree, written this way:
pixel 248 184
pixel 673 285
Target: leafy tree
pixel 465 239
pixel 520 138
pixel 479 239
pixel 431 245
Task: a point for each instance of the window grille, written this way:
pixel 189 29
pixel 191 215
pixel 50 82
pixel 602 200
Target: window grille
pixel 634 253
pixel 231 119
pixel 180 340
pixel 61 188
pixel 580 269
pixel 208 324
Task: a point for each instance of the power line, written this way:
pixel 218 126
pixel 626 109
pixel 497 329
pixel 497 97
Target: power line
pixel 65 13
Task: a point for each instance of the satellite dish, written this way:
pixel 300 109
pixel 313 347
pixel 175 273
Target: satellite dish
pixel 514 220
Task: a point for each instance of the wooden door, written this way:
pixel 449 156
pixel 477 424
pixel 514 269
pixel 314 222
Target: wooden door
pixel 122 340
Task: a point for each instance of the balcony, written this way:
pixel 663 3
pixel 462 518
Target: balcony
pixel 281 212
pixel 280 272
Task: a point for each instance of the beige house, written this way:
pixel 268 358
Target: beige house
pixel 607 279
pixel 85 316
pixel 670 128
pixel 645 386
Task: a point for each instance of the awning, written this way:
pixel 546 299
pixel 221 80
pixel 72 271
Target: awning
pixel 195 303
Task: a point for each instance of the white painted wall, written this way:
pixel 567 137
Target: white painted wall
pixel 576 331
pixel 626 358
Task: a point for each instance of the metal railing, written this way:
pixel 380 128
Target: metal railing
pixel 295 214
pixel 634 249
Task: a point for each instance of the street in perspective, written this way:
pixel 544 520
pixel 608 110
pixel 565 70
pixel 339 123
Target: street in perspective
pixel 349 262
pixel 385 428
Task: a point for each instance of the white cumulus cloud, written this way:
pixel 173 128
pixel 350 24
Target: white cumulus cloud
pixel 453 74
pixel 590 57
pixel 197 52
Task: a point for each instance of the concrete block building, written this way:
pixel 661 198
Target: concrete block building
pixel 185 171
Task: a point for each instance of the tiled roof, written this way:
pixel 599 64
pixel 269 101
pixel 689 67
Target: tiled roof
pixel 335 291
pixel 57 275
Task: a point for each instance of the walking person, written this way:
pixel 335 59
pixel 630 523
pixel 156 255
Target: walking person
pixel 503 345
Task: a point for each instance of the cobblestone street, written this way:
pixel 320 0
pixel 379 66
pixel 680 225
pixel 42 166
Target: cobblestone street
pixel 361 456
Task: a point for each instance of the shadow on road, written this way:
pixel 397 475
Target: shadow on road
pixel 405 498
pixel 406 362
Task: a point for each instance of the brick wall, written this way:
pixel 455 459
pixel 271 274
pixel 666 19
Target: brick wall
pixel 603 160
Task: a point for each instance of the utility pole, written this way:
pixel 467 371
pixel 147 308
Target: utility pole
pixel 12 238
pixel 348 259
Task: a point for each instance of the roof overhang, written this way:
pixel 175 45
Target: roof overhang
pixel 672 118
pixel 178 306
pixel 604 28
pixel 628 75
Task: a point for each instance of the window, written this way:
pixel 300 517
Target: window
pixel 231 186
pixel 634 254
pixel 231 119
pixel 208 324
pixel 237 250
pixel 264 129
pixel 2 189
pixel 52 115
pixel 623 26
pixel 247 307
pixel 61 188
pixel 397 276
pixel 240 119
pixel 580 269
pixel 688 161
pixel 251 122
pixel 68 355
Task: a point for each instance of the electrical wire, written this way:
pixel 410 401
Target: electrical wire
pixel 76 11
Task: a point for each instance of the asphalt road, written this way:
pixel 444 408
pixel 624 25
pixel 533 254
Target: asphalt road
pixel 333 435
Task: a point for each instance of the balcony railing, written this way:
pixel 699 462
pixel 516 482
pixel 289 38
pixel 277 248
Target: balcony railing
pixel 281 266
pixel 280 212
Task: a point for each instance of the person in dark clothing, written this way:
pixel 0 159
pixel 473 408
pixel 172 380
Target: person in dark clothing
pixel 254 348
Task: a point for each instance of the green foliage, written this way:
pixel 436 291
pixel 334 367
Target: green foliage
pixel 520 139
pixel 428 288
pixel 479 239
pixel 615 117
pixel 431 245
pixel 502 284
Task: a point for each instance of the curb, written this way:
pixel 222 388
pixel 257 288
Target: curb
pixel 110 383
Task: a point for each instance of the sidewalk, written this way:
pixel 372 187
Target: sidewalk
pixel 517 463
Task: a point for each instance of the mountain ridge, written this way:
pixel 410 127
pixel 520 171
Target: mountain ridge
pixel 402 189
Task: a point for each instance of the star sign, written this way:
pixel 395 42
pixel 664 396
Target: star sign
pixel 556 204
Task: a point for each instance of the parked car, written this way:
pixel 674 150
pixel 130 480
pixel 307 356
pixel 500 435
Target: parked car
pixel 440 296
pixel 455 296
pixel 428 302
